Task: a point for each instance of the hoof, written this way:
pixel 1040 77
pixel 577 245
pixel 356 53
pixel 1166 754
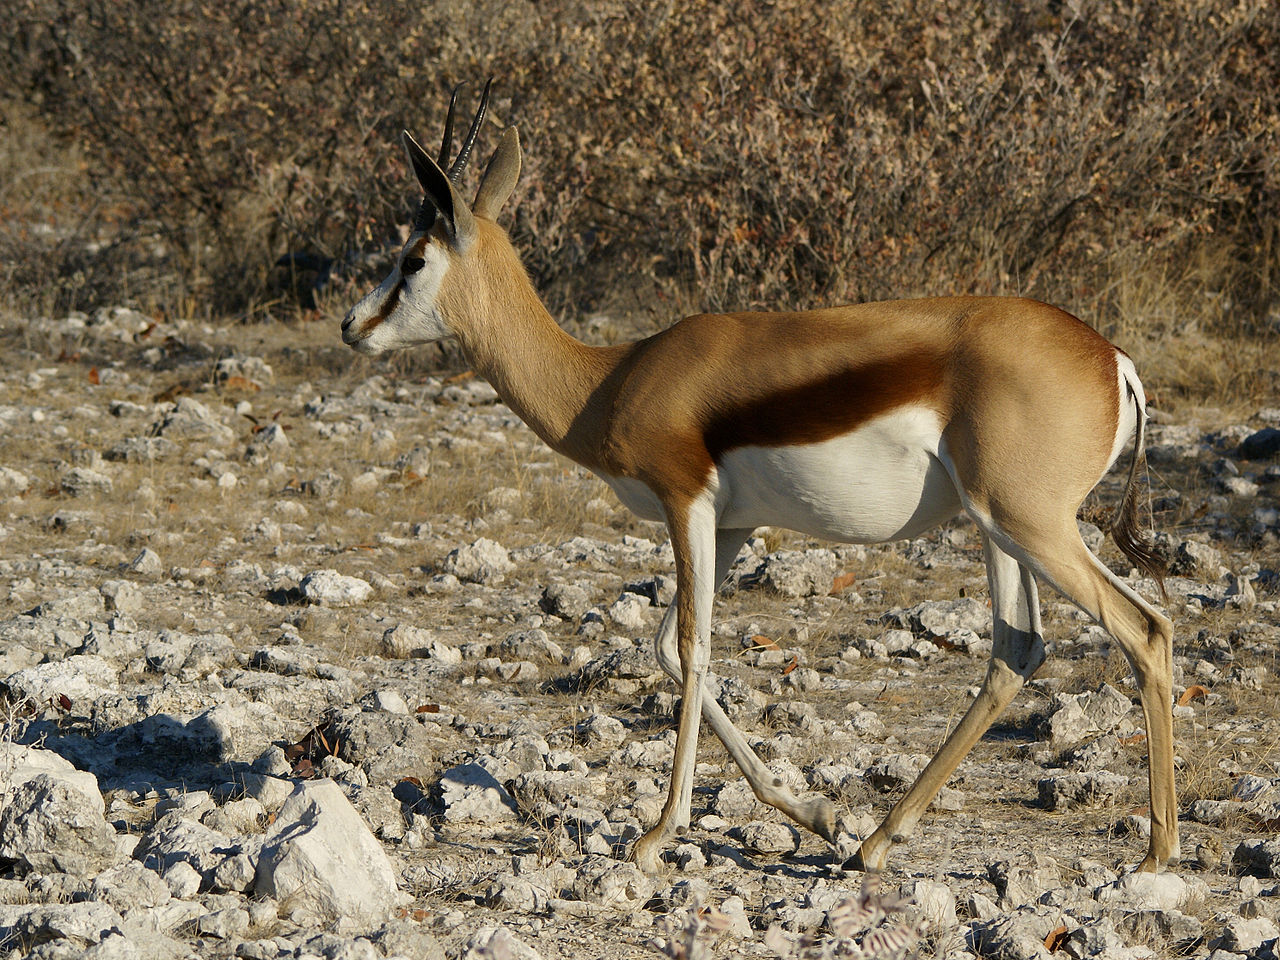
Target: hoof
pixel 647 854
pixel 870 857
pixel 853 864
pixel 821 819
pixel 1150 864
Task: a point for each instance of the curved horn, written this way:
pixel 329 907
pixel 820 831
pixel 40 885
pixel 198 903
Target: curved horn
pixel 447 144
pixel 464 154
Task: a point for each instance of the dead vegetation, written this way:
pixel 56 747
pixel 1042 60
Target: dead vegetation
pixel 677 159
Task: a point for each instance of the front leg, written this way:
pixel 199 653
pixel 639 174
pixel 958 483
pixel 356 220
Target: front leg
pixel 693 536
pixel 815 813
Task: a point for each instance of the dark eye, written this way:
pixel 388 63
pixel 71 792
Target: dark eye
pixel 412 265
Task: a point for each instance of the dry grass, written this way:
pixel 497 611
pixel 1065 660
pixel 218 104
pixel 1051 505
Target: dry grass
pixel 676 160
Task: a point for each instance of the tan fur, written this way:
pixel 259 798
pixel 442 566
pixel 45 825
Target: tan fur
pixel 711 383
pixel 1028 402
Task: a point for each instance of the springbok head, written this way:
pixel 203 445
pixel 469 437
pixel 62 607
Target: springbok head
pixel 411 305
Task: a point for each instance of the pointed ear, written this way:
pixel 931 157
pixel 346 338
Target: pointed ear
pixel 439 191
pixel 500 176
pixel 434 183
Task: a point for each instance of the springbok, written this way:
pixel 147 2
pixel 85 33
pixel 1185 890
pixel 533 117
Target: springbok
pixel 863 423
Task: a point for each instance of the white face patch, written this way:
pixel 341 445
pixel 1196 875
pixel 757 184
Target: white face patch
pixel 401 311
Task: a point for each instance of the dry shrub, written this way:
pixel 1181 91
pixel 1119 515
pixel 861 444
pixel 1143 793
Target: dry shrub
pixel 715 156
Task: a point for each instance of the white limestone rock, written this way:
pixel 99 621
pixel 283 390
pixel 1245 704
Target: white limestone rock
pixel 1145 891
pixel 80 679
pixel 128 885
pixel 334 589
pixel 122 596
pixel 795 573
pixel 18 764
pixel 191 420
pixel 492 943
pixel 12 482
pixel 80 923
pixel 148 562
pixel 321 858
pixel 471 792
pixel 772 839
pixel 1065 791
pixel 81 482
pixel 174 838
pixel 51 827
pixel 609 882
pixel 483 561
pixel 629 611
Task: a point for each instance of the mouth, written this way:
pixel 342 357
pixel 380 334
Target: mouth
pixel 353 334
pixel 362 345
pixel 358 340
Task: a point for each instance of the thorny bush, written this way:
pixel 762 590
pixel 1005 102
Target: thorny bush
pixel 690 156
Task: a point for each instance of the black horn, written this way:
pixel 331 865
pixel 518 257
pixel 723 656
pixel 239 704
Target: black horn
pixel 447 143
pixel 464 154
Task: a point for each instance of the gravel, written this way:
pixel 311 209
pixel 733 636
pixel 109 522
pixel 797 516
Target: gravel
pixel 381 695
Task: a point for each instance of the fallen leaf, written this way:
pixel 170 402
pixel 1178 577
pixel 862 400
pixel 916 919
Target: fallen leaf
pixel 241 383
pixel 842 583
pixel 1193 692
pixel 93 376
pixel 761 642
pixel 1131 740
pixel 1056 938
pixel 428 708
pixel 795 662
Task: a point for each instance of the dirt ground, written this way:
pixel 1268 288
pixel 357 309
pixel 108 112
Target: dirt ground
pixel 385 470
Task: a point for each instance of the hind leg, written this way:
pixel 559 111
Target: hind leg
pixel 1146 637
pixel 1017 651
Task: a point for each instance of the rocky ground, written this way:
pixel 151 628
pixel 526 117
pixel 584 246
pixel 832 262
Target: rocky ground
pixel 304 656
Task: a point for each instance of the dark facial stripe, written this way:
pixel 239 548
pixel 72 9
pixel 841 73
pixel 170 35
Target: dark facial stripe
pixel 388 305
pixel 393 298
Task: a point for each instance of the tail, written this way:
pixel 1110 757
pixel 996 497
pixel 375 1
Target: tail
pixel 1132 541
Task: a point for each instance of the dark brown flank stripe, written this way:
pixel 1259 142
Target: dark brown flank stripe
pixel 827 408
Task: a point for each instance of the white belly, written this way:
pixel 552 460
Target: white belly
pixel 882 482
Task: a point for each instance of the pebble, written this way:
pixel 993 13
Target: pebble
pixel 481 694
pixel 482 561
pixel 334 589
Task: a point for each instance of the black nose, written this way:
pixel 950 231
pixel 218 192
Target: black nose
pixel 346 321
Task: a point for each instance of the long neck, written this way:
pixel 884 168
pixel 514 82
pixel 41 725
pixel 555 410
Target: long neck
pixel 561 387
